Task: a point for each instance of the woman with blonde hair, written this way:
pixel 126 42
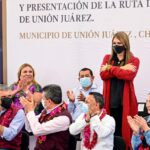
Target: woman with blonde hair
pixel 26 84
pixel 118 71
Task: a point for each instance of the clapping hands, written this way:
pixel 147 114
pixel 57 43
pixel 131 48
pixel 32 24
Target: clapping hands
pixel 22 84
pixel 70 95
pixel 28 102
pixel 136 123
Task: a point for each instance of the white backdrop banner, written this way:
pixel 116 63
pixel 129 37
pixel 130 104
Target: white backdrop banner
pixel 60 37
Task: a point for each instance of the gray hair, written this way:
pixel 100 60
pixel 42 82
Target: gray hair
pixel 53 92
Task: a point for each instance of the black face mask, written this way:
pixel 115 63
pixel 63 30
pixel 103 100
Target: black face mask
pixel 118 49
pixel 6 102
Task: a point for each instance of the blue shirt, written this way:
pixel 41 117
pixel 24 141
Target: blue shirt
pixel 136 141
pixel 15 126
pixel 77 107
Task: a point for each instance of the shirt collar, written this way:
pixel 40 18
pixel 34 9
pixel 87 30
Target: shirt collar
pixel 49 110
pixel 101 112
pixel 1 112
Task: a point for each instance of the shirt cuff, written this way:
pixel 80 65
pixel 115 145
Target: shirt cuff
pixel 6 133
pixel 136 137
pixel 30 114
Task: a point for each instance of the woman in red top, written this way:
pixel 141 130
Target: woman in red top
pixel 118 71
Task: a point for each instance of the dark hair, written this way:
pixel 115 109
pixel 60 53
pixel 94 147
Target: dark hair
pixel 85 69
pixel 53 92
pixel 123 37
pixel 6 102
pixel 98 98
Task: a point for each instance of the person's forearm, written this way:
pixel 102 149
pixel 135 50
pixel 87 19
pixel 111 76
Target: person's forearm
pixel 135 141
pixel 4 93
pixel 103 127
pixel 76 127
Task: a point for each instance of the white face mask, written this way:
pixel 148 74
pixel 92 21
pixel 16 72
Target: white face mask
pixel 42 101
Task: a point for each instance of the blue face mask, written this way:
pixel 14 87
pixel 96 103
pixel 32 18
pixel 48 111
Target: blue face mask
pixel 85 108
pixel 85 82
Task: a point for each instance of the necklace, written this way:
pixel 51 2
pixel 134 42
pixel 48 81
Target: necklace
pixel 89 144
pixel 46 117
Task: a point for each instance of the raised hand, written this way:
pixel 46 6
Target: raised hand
pixel 22 85
pixel 81 97
pixel 70 95
pixel 141 122
pixel 133 124
pixel 28 103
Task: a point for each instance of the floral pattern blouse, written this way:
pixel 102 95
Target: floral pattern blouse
pixel 35 87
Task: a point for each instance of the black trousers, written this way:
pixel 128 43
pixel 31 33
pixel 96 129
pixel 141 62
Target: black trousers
pixel 73 141
pixel 117 114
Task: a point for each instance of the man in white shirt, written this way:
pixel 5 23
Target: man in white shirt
pixel 77 96
pixel 52 125
pixel 96 127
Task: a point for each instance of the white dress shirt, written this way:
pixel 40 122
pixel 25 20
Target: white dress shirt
pixel 104 128
pixel 57 124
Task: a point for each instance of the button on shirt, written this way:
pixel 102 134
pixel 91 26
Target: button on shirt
pixel 78 107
